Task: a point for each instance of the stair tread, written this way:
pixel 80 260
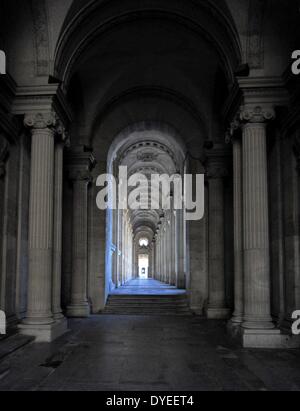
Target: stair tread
pixel 147 305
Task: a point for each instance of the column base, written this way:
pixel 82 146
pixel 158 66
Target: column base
pixel 237 320
pixel 256 338
pixel 45 333
pixel 58 316
pixel 218 313
pixel 78 310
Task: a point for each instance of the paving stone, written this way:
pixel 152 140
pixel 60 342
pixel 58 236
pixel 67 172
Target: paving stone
pixel 115 353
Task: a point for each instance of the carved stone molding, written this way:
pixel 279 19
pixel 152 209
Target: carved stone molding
pixel 42 104
pixel 40 121
pixel 234 128
pixel 61 134
pixel 147 157
pixel 40 26
pixel 255 46
pixel 258 114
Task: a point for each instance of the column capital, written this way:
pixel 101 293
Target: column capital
pixel 40 120
pixel 47 120
pixel 259 114
pixel 233 129
pixel 42 100
pixel 80 162
pixel 61 134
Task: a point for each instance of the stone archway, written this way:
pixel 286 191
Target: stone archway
pixel 147 151
pixel 111 105
pixel 109 94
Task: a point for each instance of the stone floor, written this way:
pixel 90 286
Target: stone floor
pixel 147 353
pixel 147 287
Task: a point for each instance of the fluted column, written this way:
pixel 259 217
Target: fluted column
pixel 119 249
pixel 169 249
pixel 238 231
pixel 114 264
pixel 180 280
pixel 162 243
pixel 40 219
pixel 256 220
pixel 164 254
pixel 150 261
pixel 217 297
pixel 4 153
pixel 80 163
pixel 154 259
pixel 157 256
pixel 39 320
pixel 173 247
pixel 123 247
pixel 58 222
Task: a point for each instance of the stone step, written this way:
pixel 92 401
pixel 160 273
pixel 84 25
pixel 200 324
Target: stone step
pixel 147 305
pixel 142 307
pixel 148 299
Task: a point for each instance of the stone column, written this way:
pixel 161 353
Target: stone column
pixel 173 246
pixel 80 164
pixel 150 261
pixel 154 259
pixel 4 154
pixel 198 281
pixel 180 280
pixel 123 247
pixel 119 249
pixel 114 265
pixel 169 240
pixel 125 252
pixel 217 297
pixel 39 320
pixel 157 256
pixel 137 261
pixel 258 325
pixel 238 231
pixel 164 251
pixel 160 252
pixel 58 222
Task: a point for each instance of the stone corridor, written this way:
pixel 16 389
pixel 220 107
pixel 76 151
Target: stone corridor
pixel 147 287
pixel 148 353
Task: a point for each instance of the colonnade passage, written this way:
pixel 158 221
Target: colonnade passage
pixel 157 88
pixel 158 256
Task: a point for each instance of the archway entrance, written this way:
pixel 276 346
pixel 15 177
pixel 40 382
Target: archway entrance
pixel 147 85
pixel 145 236
pixel 143 266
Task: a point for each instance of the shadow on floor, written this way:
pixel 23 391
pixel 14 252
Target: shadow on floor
pixel 128 353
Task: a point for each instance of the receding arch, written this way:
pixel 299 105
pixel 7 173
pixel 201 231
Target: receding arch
pixel 144 148
pixel 86 23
